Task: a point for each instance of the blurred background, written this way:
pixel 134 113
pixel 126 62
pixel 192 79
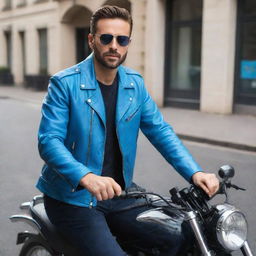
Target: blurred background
pixel 192 53
pixel 198 59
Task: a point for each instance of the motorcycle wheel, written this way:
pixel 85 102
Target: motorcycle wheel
pixel 35 246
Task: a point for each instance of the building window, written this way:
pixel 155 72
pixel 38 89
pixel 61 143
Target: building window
pixel 8 41
pixel 43 52
pixel 183 53
pixel 245 75
pixel 40 1
pixel 7 5
pixel 23 51
pixel 21 3
pixel 82 47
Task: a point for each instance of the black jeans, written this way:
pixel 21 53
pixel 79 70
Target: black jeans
pixel 94 231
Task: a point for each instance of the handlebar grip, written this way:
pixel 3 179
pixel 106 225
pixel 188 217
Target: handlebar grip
pixel 130 194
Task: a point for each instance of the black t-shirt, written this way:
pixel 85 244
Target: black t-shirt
pixel 112 165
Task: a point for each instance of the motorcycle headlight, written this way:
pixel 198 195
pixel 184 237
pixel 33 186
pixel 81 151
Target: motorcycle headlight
pixel 231 229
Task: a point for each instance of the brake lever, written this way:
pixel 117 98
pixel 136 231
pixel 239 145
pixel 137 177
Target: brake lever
pixel 229 185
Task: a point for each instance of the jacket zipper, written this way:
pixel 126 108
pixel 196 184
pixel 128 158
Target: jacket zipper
pixel 121 154
pixel 102 162
pixel 65 179
pixel 89 150
pixel 73 146
pixel 90 138
pixel 132 115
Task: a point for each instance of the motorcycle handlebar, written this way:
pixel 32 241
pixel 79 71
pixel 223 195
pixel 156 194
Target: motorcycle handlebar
pixel 123 194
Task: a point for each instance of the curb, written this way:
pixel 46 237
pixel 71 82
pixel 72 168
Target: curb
pixel 217 143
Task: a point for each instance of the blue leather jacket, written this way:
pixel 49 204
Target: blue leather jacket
pixel 73 129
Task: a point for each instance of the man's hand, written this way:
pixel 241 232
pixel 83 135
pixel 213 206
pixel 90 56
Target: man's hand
pixel 102 188
pixel 207 181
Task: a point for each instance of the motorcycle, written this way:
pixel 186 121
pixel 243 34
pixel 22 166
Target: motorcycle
pixel 218 229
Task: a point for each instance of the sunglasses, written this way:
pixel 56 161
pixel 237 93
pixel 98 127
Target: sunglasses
pixel 107 39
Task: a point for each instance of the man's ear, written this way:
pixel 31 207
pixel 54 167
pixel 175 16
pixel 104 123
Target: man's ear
pixel 91 41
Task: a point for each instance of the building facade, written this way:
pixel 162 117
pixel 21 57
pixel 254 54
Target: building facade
pixel 198 54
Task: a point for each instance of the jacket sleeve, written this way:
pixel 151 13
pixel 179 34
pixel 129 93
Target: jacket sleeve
pixel 162 136
pixel 52 133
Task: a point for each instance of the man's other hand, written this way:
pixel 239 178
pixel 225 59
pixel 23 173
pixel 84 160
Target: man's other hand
pixel 207 181
pixel 103 188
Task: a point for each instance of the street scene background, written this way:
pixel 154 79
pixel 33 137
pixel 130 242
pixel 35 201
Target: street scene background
pixel 20 165
pixel 196 54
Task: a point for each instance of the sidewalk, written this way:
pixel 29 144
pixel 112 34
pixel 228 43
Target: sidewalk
pixel 21 94
pixel 234 131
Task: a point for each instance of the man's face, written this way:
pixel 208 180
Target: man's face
pixel 110 55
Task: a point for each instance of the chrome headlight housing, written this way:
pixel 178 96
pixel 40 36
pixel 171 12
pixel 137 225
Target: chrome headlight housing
pixel 231 228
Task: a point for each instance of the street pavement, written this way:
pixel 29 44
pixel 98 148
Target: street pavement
pixel 234 131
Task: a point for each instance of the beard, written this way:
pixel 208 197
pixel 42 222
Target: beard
pixel 108 64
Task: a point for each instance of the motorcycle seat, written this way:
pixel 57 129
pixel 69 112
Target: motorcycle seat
pixel 49 232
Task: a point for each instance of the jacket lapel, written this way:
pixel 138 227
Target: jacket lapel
pixel 95 100
pixel 89 84
pixel 125 94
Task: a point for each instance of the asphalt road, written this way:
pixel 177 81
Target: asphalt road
pixel 20 167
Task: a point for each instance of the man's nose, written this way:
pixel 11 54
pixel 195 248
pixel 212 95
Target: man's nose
pixel 113 44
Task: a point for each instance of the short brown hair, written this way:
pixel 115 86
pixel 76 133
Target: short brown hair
pixel 110 12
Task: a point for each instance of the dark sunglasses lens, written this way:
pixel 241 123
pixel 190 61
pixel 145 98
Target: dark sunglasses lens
pixel 106 38
pixel 123 40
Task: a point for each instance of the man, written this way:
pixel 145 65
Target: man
pixel 91 117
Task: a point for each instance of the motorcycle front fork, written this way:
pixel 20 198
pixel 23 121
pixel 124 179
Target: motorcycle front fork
pixel 191 219
pixel 246 249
